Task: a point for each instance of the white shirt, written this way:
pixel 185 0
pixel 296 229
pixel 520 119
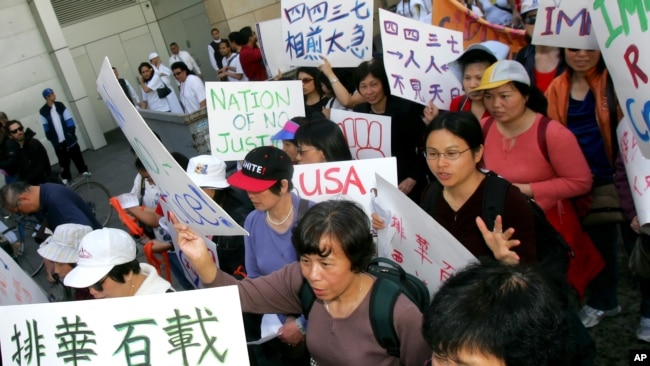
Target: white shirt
pixel 185 57
pixel 192 93
pixel 213 62
pixel 56 121
pixel 234 62
pixel 151 192
pixel 163 72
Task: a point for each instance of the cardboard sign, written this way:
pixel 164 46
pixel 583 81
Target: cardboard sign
pixel 190 204
pixel 415 240
pixel 270 41
pixel 354 179
pixel 340 30
pixel 454 15
pixel 16 287
pixel 637 169
pixel 564 24
pixel 183 328
pixel 416 57
pixel 368 135
pixel 244 115
pixel 621 28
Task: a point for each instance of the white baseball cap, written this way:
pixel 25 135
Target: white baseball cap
pixel 528 5
pixel 100 251
pixel 499 50
pixel 207 171
pixel 152 55
pixel 62 246
pixel 502 73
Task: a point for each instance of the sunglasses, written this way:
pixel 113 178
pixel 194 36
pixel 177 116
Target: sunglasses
pixel 13 132
pixel 307 80
pixel 530 20
pixel 98 286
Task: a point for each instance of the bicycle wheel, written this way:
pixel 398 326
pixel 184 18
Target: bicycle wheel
pixel 97 197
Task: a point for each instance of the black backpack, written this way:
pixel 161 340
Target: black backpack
pixel 391 281
pixel 553 252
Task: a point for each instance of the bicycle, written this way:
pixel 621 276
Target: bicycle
pixel 96 195
pixel 14 228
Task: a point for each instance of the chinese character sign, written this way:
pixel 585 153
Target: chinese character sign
pixel 621 28
pixel 190 204
pixel 415 240
pixel 270 41
pixel 416 57
pixel 564 24
pixel 16 287
pixel 201 327
pixel 638 172
pixel 243 116
pixel 340 30
pixel 368 135
pixel 354 179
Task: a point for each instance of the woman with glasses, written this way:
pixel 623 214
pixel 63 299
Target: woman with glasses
pixel 108 267
pixel 321 141
pixel 150 81
pixel 192 88
pixel 313 92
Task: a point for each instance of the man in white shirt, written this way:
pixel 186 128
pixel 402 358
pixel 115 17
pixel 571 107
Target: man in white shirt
pixel 231 66
pixel 213 51
pixel 163 71
pixel 184 56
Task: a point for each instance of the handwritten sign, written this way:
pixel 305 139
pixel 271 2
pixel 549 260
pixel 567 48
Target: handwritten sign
pixel 637 169
pixel 368 135
pixel 202 327
pixel 190 204
pixel 243 116
pixel 341 30
pixel 16 287
pixel 415 240
pixel 621 29
pixel 564 24
pixel 416 57
pixel 354 179
pixel 454 15
pixel 270 41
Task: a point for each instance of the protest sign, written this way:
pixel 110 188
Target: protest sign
pixel 190 204
pixel 354 179
pixel 454 15
pixel 368 135
pixel 244 115
pixel 201 327
pixel 638 172
pixel 340 30
pixel 621 27
pixel 564 24
pixel 416 57
pixel 16 287
pixel 415 240
pixel 270 41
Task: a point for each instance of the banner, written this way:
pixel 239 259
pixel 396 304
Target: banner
pixel 183 328
pixel 415 240
pixel 368 135
pixel 416 57
pixel 244 115
pixel 340 30
pixel 637 169
pixel 454 15
pixel 354 179
pixel 621 28
pixel 188 202
pixel 270 41
pixel 564 24
pixel 16 287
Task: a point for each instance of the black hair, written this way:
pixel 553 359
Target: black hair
pixel 118 272
pixel 214 29
pixel 139 165
pixel 147 65
pixel 342 220
pixel 536 101
pixel 463 125
pixel 326 136
pixel 314 73
pixel 181 159
pixel 511 312
pixel 247 32
pixel 374 67
pixel 181 65
pixel 276 188
pixel 227 42
pixel 173 44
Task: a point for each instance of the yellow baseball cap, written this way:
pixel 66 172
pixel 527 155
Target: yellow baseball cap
pixel 502 73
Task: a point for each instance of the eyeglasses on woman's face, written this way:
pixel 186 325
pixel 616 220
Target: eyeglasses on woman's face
pixel 449 155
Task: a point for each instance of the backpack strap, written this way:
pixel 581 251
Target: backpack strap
pixel 541 133
pixel 494 198
pixel 462 103
pixel 486 127
pixel 307 298
pixel 382 303
pixel 430 197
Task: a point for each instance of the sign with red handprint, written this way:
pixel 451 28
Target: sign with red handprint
pixel 368 135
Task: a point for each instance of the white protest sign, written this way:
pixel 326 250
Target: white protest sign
pixel 415 240
pixel 564 24
pixel 368 135
pixel 621 28
pixel 190 204
pixel 200 327
pixel 416 57
pixel 638 171
pixel 354 179
pixel 270 41
pixel 16 287
pixel 340 30
pixel 244 115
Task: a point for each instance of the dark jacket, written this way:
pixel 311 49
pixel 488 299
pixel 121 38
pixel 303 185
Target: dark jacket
pixel 37 168
pixel 66 122
pixel 11 157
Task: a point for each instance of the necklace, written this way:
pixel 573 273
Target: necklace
pixel 268 218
